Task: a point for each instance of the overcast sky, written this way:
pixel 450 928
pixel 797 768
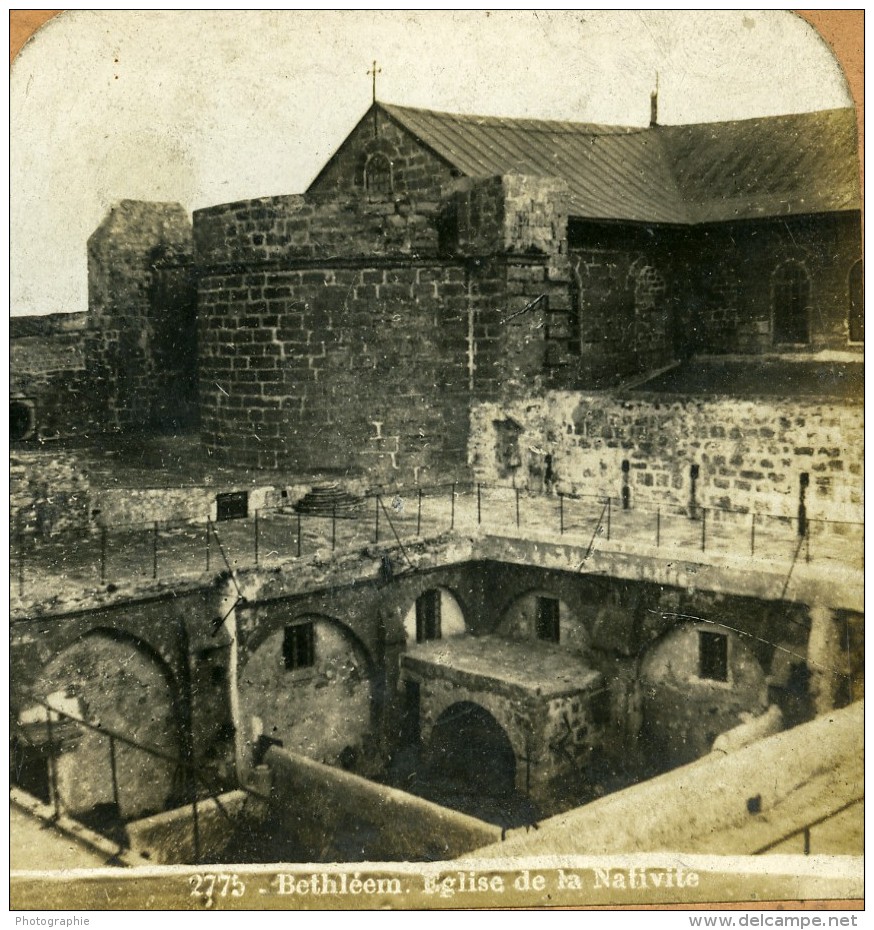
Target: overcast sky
pixel 208 107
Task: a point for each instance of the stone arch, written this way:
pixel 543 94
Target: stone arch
pixel 469 748
pixel 790 303
pixel 696 680
pixel 320 703
pixel 378 175
pixel 523 619
pixel 451 622
pixel 119 683
pixel 648 284
pixel 377 152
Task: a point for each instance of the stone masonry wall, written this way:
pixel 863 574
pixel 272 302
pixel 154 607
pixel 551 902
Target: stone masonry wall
pixel 48 493
pixel 415 169
pixel 347 334
pixel 727 302
pixel 627 282
pixel 141 339
pixel 332 370
pixel 47 373
pixel 750 453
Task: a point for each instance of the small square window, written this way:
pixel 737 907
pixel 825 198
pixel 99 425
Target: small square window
pixel 428 620
pixel 712 656
pixel 547 620
pixel 299 646
pixel 232 506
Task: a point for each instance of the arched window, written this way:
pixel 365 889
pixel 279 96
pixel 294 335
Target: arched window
pixel 649 287
pixel 857 304
pixel 378 175
pixel 791 303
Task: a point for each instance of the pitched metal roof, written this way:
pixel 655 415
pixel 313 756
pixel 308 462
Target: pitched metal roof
pixel 706 172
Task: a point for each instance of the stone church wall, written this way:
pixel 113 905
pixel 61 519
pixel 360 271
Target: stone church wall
pixel 415 169
pixel 351 333
pixel 727 304
pixel 625 297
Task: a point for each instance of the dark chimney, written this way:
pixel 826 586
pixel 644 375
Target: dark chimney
pixel 654 104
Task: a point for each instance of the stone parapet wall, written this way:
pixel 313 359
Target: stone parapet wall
pixel 272 229
pixel 48 493
pixel 750 453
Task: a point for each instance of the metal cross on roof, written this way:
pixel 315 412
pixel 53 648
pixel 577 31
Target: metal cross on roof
pixel 374 71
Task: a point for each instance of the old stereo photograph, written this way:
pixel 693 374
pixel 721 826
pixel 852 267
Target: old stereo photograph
pixel 436 460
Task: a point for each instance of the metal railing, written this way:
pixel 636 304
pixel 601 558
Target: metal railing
pixel 196 788
pixel 123 553
pixel 805 831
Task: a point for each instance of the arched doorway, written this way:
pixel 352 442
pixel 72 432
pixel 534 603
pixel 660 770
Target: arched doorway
pixel 470 749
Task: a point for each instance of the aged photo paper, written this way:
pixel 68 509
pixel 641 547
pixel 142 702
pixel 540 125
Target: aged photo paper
pixel 436 460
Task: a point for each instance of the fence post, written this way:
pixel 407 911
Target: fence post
pixel 103 555
pixel 333 526
pixel 658 526
pixel 703 528
pixel 376 522
pixel 517 508
pixel 560 513
pixel 452 517
pixel 807 541
pixel 155 552
pixel 208 534
pixel 256 537
pixel 609 505
pixel 298 534
pixel 113 770
pixel 479 505
pixel 20 556
pixel 53 771
pixel 195 824
pixel 419 514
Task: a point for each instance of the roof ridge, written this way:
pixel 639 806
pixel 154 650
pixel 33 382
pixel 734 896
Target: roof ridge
pixel 572 127
pixel 605 128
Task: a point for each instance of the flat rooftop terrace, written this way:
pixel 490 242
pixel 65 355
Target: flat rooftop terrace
pixel 576 532
pixel 535 668
pixel 831 378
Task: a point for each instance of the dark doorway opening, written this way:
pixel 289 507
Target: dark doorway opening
pixel 470 749
pixel 791 304
pixel 412 731
pixel 428 617
pixel 29 769
pixel 547 623
pixel 21 420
